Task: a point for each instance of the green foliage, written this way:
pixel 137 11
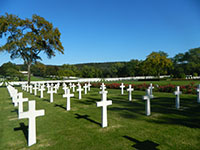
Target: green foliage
pixel 27 38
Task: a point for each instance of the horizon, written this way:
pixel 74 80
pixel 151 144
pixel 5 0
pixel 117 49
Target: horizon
pixel 114 30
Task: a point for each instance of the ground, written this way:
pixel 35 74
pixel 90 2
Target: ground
pixel 128 126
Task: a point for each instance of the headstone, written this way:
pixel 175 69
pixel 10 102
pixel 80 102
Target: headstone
pixel 198 93
pixel 31 89
pixel 79 89
pixel 177 93
pixel 31 114
pixel 151 89
pixel 104 103
pixel 70 85
pixel 103 87
pixel 122 88
pixel 147 97
pixel 42 89
pixel 68 95
pixel 89 85
pixel 65 89
pixel 48 87
pixel 130 93
pixel 85 88
pixel 73 87
pixel 35 89
pixel 20 101
pixel 27 88
pixel 51 94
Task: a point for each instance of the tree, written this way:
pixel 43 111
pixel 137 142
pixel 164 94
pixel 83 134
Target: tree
pixel 27 38
pixel 156 63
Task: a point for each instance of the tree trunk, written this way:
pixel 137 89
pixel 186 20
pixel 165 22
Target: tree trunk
pixel 29 73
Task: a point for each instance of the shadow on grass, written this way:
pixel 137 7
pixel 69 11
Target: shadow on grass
pixel 86 117
pixel 145 145
pixel 61 106
pixel 47 100
pixel 15 110
pixel 24 128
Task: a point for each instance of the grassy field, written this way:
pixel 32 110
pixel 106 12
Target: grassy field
pixel 128 127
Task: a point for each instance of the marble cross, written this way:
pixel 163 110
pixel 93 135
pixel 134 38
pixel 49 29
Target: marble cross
pixel 65 89
pixel 31 89
pixel 104 103
pixel 31 114
pixel 42 89
pixel 147 97
pixel 151 89
pixel 68 95
pixel 27 88
pixel 20 101
pixel 48 87
pixel 79 89
pixel 122 88
pixel 70 85
pixel 130 93
pixel 51 91
pixel 103 87
pixel 198 93
pixel 89 85
pixel 177 93
pixel 85 88
pixel 73 87
pixel 35 89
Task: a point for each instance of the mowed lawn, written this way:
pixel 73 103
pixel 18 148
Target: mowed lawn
pixel 80 128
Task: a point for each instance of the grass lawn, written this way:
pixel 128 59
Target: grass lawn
pixel 80 128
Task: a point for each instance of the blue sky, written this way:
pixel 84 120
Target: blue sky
pixel 113 30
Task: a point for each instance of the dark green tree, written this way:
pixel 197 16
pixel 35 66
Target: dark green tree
pixel 27 38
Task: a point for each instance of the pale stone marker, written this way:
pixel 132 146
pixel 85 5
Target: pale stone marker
pixel 89 85
pixel 31 89
pixel 103 87
pixel 65 89
pixel 48 87
pixel 79 89
pixel 42 89
pixel 70 85
pixel 31 114
pixel 198 93
pixel 151 89
pixel 130 93
pixel 27 88
pixel 73 87
pixel 104 103
pixel 20 101
pixel 85 88
pixel 35 89
pixel 68 95
pixel 122 88
pixel 51 94
pixel 177 93
pixel 147 97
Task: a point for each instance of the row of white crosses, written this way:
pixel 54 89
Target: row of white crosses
pixel 31 114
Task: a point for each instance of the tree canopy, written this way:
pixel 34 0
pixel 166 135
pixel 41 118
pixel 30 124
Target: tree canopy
pixel 27 38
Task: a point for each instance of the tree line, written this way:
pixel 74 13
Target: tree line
pixel 155 64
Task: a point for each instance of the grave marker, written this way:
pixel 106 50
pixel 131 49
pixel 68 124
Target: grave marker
pixel 130 93
pixel 147 97
pixel 177 93
pixel 122 88
pixel 68 95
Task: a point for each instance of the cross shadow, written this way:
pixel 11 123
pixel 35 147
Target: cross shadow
pixel 61 106
pixel 78 116
pixel 15 110
pixel 24 128
pixel 47 100
pixel 145 145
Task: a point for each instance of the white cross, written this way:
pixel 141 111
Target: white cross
pixel 85 87
pixel 70 85
pixel 122 88
pixel 48 87
pixel 198 93
pixel 79 91
pixel 73 87
pixel 41 90
pixel 147 97
pixel 35 89
pixel 130 92
pixel 65 89
pixel 27 88
pixel 51 94
pixel 177 93
pixel 103 87
pixel 151 89
pixel 20 101
pixel 31 89
pixel 31 114
pixel 89 85
pixel 68 95
pixel 104 103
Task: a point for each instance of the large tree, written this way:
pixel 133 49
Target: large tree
pixel 27 38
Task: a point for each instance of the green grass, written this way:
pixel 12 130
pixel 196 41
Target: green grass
pixel 128 127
